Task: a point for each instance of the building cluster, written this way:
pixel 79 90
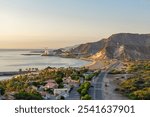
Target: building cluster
pixel 51 91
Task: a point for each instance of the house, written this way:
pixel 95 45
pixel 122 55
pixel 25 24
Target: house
pixel 51 84
pixel 67 86
pixel 45 95
pixel 41 88
pixel 65 95
pixel 68 80
pixel 34 87
pixel 58 92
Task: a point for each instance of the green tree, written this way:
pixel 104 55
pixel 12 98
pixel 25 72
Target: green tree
pixel 87 85
pixel 2 90
pixel 59 80
pixel 60 74
pixel 86 97
pixel 62 98
pixel 28 96
pixel 61 85
pixel 83 92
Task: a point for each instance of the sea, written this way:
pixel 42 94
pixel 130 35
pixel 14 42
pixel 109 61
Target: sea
pixel 13 60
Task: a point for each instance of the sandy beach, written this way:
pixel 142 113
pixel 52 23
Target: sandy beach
pixel 96 65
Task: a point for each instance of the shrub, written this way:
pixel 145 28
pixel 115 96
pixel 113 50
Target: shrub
pixel 28 96
pixel 86 97
pixel 2 90
pixel 84 92
pixel 58 80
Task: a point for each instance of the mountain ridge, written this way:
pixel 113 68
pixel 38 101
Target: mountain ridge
pixel 117 46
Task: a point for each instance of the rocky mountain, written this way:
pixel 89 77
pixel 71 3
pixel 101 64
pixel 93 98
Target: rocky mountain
pixel 117 46
pixel 89 49
pixel 69 48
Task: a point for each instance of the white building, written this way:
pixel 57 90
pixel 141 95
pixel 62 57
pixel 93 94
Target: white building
pixel 61 91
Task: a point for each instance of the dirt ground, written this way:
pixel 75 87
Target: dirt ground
pixel 111 82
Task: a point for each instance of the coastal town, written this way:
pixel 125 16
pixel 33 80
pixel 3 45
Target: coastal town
pixel 48 84
pixel 111 82
pixel 107 70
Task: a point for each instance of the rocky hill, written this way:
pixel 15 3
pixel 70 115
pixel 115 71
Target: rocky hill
pixel 117 46
pixel 89 49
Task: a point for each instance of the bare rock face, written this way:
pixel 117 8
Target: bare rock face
pixel 118 46
pixel 125 46
pixel 89 49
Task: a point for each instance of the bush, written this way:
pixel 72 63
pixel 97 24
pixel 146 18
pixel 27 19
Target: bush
pixel 50 91
pixel 79 90
pixel 61 85
pixel 138 86
pixel 75 77
pixel 62 98
pixel 2 90
pixel 58 80
pixel 89 77
pixel 140 94
pixel 27 96
pixel 114 71
pixel 87 85
pixel 60 74
pixel 83 90
pixel 86 97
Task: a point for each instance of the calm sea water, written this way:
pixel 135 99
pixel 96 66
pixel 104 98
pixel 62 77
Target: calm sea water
pixel 13 61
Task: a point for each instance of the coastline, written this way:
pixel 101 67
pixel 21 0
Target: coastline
pixel 2 78
pixel 92 62
pixel 96 65
pixel 87 61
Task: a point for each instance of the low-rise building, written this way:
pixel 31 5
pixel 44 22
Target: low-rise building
pixel 51 84
pixel 45 95
pixel 69 81
pixel 58 92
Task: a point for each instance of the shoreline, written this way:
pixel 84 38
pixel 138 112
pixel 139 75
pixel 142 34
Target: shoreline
pixel 11 76
pixel 2 78
pixel 96 65
pixel 92 62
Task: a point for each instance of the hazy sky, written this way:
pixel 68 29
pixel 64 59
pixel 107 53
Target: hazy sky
pixel 59 23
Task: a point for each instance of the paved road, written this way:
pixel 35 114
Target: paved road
pixel 97 91
pixel 74 95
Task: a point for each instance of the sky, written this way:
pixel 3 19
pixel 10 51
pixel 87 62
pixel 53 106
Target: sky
pixel 61 23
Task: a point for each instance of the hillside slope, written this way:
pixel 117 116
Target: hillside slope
pixel 117 46
pixel 125 46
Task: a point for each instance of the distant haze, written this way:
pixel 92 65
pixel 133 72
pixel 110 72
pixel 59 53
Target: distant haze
pixel 61 23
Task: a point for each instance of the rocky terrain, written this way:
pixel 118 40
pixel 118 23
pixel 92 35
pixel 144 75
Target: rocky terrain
pixel 89 48
pixel 117 46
